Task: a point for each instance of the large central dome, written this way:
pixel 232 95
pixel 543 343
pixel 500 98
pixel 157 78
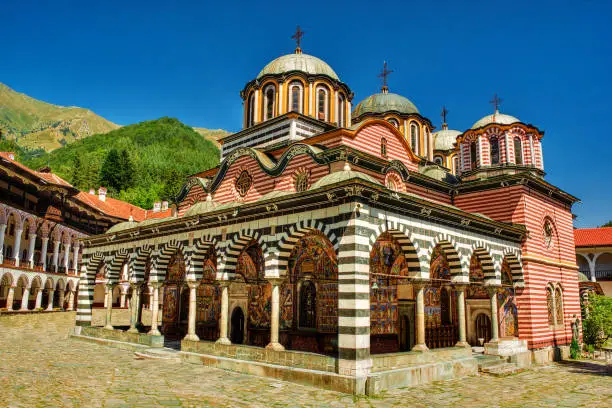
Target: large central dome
pixel 385 102
pixel 298 62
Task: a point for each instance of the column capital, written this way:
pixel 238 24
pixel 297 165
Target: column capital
pixel 276 281
pixel 419 283
pixel 224 283
pixel 460 287
pixel 193 284
pixel 492 290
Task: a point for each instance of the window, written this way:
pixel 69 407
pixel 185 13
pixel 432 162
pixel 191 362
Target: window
pixel 295 97
pixel 269 102
pixel 554 303
pixel 341 110
pixel 455 164
pixel 414 137
pixel 473 159
pixel 322 104
pixel 426 144
pixel 438 160
pixel 383 147
pixel 494 146
pixel 301 181
pixel 243 183
pixel 518 151
pixel 393 122
pixel 550 306
pixel 308 305
pixel 558 306
pixel 251 110
pixel 548 233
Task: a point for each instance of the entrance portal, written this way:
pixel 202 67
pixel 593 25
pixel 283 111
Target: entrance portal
pixel 483 327
pixel 175 304
pixel 237 326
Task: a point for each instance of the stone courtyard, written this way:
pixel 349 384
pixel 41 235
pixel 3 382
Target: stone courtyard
pixel 42 366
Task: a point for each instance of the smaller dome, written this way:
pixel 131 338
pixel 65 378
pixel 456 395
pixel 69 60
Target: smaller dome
pixel 339 176
pixel 122 226
pixel 445 139
pixel 384 102
pixel 498 118
pixel 298 62
pixel 201 207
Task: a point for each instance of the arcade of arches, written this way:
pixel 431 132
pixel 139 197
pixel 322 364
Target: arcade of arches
pixel 299 309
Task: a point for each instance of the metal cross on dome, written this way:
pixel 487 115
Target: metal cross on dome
pixel 443 114
pixel 298 38
pixel 496 102
pixel 384 74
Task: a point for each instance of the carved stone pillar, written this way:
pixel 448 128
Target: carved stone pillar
pixel 25 298
pixel 75 259
pixel 460 289
pixel 275 316
pixel 155 307
pixel 2 232
pixel 30 256
pixel 223 339
pixel 10 298
pixel 136 288
pixel 191 328
pixel 50 303
pixel 71 300
pixel 43 252
pixel 38 304
pixel 494 320
pixel 420 318
pixel 17 246
pixel 56 247
pixel 109 307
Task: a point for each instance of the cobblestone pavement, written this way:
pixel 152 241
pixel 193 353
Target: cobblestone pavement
pixel 42 367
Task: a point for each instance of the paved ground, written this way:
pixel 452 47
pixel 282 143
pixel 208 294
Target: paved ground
pixel 42 367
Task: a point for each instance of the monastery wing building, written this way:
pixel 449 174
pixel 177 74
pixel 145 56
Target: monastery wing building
pixel 352 240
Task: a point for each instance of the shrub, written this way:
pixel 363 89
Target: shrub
pixel 597 327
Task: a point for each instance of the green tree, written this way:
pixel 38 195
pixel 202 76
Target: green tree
pixel 117 171
pixel 125 170
pixel 77 176
pixel 597 327
pixel 173 182
pixel 608 224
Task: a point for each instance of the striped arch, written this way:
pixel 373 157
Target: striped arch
pixel 514 261
pixel 197 257
pixel 459 271
pixel 137 267
pixel 403 237
pixel 235 247
pixel 23 277
pixel 16 216
pixel 119 258
pixel 86 288
pixel 483 253
pixel 163 259
pixel 7 279
pixel 289 239
pixel 49 284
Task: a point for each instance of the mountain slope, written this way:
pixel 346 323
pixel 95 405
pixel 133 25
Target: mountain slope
pixel 212 134
pixel 163 152
pixel 35 124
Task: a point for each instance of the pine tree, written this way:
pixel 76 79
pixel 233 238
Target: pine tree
pixel 77 176
pixel 109 172
pixel 125 170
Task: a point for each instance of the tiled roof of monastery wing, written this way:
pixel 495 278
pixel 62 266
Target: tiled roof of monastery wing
pixel 112 207
pixel 588 237
pixel 48 177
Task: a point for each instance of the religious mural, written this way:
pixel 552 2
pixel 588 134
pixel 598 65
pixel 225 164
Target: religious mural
pixel 508 312
pixel 476 290
pixel 208 297
pixel 250 268
pixel 386 260
pixel 437 299
pixel 175 278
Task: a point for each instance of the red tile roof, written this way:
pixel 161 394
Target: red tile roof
pixel 590 237
pixel 48 177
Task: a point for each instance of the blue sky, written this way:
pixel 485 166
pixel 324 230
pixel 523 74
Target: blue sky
pixel 137 60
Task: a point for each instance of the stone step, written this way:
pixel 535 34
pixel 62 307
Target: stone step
pixel 166 354
pixel 501 370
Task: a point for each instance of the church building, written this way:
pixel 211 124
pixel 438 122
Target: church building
pixel 352 246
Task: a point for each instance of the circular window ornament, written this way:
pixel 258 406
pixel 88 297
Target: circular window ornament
pixel 243 183
pixel 548 234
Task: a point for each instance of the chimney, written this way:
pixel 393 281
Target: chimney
pixel 92 191
pixel 102 194
pixel 156 207
pixel 11 156
pixel 164 206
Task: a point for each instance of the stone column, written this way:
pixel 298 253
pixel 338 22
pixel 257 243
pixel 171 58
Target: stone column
pixel 123 290
pixel 2 231
pixel 75 259
pixel 71 300
pixel 38 303
pixel 223 339
pixel 43 252
pixel 61 298
pixel 109 307
pixel 420 318
pixel 66 257
pixel 275 316
pixel 10 298
pixel 592 270
pixel 494 319
pixel 460 289
pixel 31 250
pixel 155 307
pixel 135 308
pixel 17 246
pixel 51 295
pixel 191 328
pixel 56 247
pixel 25 298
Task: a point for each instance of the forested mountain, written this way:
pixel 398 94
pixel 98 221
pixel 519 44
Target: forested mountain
pixel 36 124
pixel 140 163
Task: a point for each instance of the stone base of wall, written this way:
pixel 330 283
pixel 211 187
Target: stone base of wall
pixel 550 354
pixel 506 347
pixel 393 361
pixel 119 335
pixel 33 318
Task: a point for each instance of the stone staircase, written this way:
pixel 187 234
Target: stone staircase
pixel 165 353
pixel 496 366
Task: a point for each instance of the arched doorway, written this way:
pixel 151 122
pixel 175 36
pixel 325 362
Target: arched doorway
pixel 175 303
pixel 388 333
pixel 237 326
pixel 483 328
pixel 208 310
pixel 440 317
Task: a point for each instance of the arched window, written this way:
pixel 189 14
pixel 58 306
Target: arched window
pixel 322 104
pixel 295 97
pixel 558 306
pixel 251 110
pixel 518 151
pixel 549 233
pixel 301 180
pixel 341 110
pixel 308 305
pixel 394 122
pixel 383 147
pixel 473 158
pixel 426 144
pixel 494 145
pixel 438 160
pixel 550 305
pixel 455 164
pixel 269 102
pixel 414 137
